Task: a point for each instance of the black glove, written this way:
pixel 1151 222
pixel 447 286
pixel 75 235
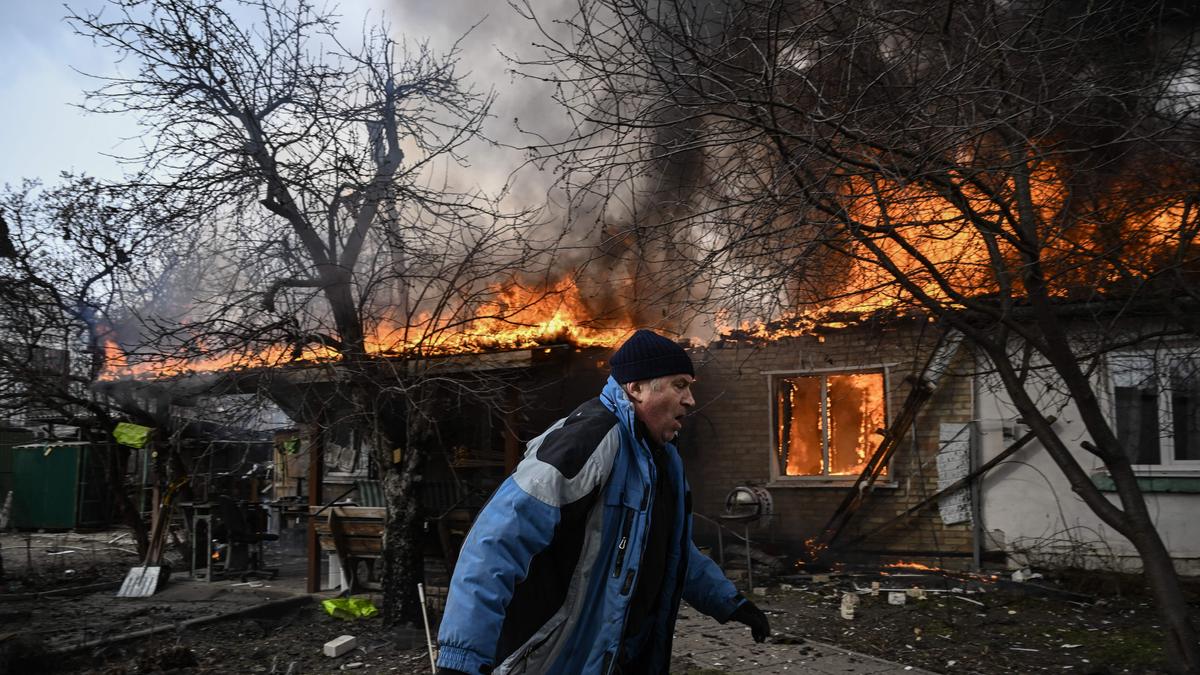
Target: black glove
pixel 753 617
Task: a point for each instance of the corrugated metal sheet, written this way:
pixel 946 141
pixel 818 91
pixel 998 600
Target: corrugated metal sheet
pixel 370 493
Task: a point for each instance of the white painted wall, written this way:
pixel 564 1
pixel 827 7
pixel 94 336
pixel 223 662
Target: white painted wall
pixel 1029 510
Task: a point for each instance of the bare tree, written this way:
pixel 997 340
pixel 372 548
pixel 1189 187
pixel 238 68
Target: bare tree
pixel 1022 171
pixel 312 165
pixel 75 255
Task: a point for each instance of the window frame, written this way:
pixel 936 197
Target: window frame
pixel 1162 361
pixel 778 477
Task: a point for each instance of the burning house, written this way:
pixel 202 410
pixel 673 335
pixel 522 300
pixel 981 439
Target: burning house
pixel 960 480
pixel 882 438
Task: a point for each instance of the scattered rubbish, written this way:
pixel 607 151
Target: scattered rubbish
pixel 820 578
pixel 1023 649
pixel 1023 575
pixel 912 592
pixel 1070 646
pixel 350 608
pixel 786 587
pixel 897 598
pixel 760 590
pixel 965 599
pixel 340 645
pixel 352 666
pixel 1019 576
pixel 849 603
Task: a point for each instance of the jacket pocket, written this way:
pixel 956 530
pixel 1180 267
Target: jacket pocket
pixel 527 659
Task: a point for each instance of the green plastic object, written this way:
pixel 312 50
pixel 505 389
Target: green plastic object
pixel 132 435
pixel 350 608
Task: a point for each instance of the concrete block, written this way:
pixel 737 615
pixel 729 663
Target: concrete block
pixel 340 645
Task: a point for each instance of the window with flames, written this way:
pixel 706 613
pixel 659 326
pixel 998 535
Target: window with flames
pixel 1156 408
pixel 827 424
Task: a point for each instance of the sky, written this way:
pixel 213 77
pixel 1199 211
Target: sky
pixel 43 131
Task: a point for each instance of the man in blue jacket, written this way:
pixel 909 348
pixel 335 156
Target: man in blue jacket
pixel 579 561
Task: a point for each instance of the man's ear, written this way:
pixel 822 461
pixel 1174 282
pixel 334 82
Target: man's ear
pixel 634 391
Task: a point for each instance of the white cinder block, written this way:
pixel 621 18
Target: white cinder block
pixel 340 645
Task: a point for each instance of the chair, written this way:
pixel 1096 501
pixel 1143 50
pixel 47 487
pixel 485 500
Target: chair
pixel 240 533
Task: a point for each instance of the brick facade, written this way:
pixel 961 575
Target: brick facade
pixel 729 443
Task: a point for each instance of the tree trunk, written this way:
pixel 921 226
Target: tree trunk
pixel 127 511
pixel 1133 519
pixel 1182 642
pixel 403 562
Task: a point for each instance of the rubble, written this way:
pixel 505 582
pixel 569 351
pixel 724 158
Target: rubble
pixel 339 645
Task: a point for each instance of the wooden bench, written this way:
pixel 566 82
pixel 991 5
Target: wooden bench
pixel 352 533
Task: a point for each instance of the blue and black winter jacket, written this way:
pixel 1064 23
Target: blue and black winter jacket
pixel 544 580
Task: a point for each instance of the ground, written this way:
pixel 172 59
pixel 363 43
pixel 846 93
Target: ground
pixel 1071 623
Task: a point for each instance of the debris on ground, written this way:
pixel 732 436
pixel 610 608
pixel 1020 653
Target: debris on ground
pixel 948 622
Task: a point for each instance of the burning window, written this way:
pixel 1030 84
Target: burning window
pixel 827 424
pixel 1156 408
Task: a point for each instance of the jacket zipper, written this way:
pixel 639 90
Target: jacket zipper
pixel 623 545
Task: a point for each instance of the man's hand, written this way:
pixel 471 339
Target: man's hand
pixel 753 617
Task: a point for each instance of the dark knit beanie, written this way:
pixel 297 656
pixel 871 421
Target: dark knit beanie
pixel 647 355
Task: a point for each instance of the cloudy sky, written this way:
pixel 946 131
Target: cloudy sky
pixel 42 131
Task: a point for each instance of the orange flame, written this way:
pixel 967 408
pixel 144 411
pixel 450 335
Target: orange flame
pixel 833 435
pixel 518 318
pixel 901 564
pixel 947 251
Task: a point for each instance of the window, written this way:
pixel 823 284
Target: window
pixel 1156 408
pixel 826 424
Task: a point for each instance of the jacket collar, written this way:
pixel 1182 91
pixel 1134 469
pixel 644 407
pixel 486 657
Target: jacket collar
pixel 614 398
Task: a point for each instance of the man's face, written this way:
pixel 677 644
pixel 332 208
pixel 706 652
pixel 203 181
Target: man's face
pixel 661 404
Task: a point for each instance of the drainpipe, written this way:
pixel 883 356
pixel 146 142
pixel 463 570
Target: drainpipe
pixel 975 452
pixel 975 445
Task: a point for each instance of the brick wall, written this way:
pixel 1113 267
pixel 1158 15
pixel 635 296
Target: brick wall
pixel 728 443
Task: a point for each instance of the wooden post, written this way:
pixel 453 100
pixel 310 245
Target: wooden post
pixel 316 467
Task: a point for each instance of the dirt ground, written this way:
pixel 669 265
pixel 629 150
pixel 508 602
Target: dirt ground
pixel 1072 623
pixel 1068 623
